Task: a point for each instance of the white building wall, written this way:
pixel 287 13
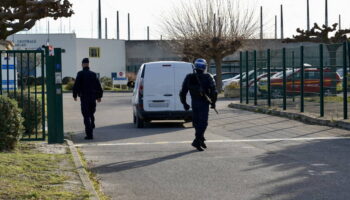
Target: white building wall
pixel 64 41
pixel 112 55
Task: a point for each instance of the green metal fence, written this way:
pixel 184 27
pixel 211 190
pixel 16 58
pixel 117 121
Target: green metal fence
pixel 22 78
pixel 34 79
pixel 311 79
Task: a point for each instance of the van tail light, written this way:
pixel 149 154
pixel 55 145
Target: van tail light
pixel 141 88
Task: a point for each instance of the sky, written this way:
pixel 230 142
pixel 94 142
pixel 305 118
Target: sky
pixel 150 13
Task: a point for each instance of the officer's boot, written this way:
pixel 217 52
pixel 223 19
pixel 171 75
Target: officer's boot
pixel 197 144
pixel 203 145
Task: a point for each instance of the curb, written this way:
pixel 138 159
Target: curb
pixel 84 177
pixel 302 117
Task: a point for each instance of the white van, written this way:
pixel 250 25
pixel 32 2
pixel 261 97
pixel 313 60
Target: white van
pixel 156 92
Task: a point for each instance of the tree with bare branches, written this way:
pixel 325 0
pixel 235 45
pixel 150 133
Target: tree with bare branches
pixel 322 35
pixel 211 29
pixel 19 15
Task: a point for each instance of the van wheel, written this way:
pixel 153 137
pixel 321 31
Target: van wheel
pixel 140 123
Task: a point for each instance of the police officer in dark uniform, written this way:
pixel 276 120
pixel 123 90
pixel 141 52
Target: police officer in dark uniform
pixel 201 86
pixel 88 88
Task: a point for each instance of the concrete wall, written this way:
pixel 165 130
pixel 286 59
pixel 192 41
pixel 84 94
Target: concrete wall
pixel 142 51
pixel 112 55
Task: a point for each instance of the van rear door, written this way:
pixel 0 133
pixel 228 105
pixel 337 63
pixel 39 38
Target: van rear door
pixel 181 71
pixel 159 91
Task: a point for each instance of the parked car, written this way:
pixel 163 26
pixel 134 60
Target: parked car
pixel 311 82
pixel 237 78
pixel 226 75
pixel 262 76
pixel 156 92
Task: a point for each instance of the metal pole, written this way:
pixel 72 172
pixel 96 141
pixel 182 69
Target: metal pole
pixel 118 31
pixel 321 82
pixel 284 80
pixel 282 28
pixel 240 76
pixel 308 15
pixel 261 23
pixel 293 70
pixel 345 82
pixel 0 72
pixel 269 77
pixel 128 26
pixel 147 32
pixel 255 81
pixel 22 85
pixel 326 15
pixel 99 20
pixel 247 77
pixel 43 95
pixel 276 35
pixel 35 99
pixel 106 29
pixel 302 79
pixel 339 22
pixel 14 76
pixel 28 94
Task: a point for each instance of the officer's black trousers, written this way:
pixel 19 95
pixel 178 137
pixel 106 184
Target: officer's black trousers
pixel 88 108
pixel 200 110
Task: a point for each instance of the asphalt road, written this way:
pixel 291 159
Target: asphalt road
pixel 249 157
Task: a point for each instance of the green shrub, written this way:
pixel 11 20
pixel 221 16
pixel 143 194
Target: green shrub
pixel 106 82
pixel 28 111
pixel 29 80
pixel 67 80
pixel 69 86
pixel 11 127
pixel 39 80
pixel 107 88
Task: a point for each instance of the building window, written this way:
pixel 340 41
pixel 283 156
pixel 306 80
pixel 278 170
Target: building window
pixel 94 52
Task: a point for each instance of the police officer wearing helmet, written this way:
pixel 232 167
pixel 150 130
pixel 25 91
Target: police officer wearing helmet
pixel 88 88
pixel 201 86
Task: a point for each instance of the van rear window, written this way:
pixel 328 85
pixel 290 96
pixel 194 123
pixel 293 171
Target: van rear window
pixel 143 71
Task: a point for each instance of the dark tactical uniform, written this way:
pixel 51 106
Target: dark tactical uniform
pixel 88 88
pixel 200 105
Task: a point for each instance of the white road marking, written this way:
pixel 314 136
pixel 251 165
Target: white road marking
pixel 214 141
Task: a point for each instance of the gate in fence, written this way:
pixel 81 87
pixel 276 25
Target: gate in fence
pixel 33 79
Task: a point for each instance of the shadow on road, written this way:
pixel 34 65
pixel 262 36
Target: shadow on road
pixel 128 131
pixel 127 165
pixel 313 170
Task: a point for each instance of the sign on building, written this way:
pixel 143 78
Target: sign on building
pixel 119 78
pixel 8 73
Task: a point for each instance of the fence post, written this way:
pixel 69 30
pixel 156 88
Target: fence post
pixel 269 77
pixel 302 79
pixel 321 82
pixel 1 73
pixel 54 96
pixel 255 81
pixel 284 80
pixel 247 77
pixel 345 82
pixel 43 94
pixel 15 75
pixel 293 70
pixel 240 76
